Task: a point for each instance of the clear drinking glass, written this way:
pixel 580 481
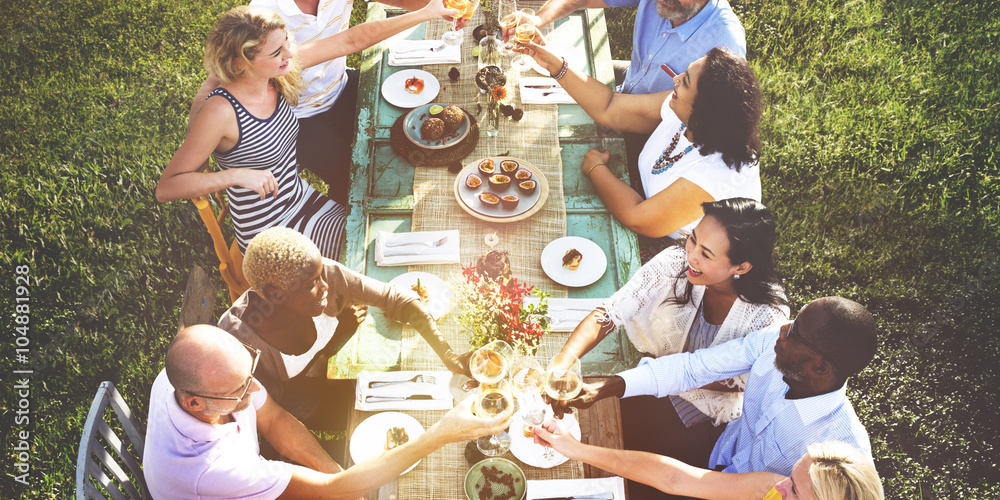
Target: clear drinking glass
pixel 489 364
pixel 507 16
pixel 524 33
pixel 491 401
pixel 454 36
pixel 563 379
pixel 526 376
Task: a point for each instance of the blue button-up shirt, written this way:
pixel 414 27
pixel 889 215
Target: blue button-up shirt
pixel 773 432
pixel 657 42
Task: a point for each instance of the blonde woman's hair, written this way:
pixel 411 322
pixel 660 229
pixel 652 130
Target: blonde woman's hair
pixel 279 257
pixel 840 472
pixel 236 39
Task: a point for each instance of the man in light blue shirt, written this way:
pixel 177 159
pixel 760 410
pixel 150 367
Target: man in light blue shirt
pixel 796 392
pixel 674 33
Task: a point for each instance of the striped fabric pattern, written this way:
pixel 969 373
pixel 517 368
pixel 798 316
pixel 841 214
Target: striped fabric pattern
pixel 774 432
pixel 701 335
pixel 269 144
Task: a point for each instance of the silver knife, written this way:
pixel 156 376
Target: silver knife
pixel 541 86
pixel 382 399
pixel 607 495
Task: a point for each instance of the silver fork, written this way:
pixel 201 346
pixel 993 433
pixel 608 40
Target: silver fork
pixel 432 244
pixel 414 49
pixel 420 379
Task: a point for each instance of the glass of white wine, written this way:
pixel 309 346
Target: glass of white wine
pixel 489 363
pixel 453 36
pixel 563 379
pixel 494 399
pixel 524 34
pixel 527 376
pixel 507 15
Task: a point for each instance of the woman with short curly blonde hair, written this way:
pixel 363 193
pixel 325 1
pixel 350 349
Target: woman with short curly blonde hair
pixel 301 308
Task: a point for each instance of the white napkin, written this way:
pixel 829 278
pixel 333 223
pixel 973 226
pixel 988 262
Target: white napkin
pixel 568 487
pixel 451 54
pixel 565 314
pixel 439 389
pixel 418 253
pixel 537 96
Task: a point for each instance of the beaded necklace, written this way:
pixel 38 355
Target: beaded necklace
pixel 665 161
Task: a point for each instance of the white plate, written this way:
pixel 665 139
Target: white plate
pixel 591 268
pixel 440 300
pixel 368 439
pixel 394 90
pixel 525 449
pixel 574 58
pixel 468 198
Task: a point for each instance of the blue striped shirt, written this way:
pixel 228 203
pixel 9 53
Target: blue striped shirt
pixel 773 432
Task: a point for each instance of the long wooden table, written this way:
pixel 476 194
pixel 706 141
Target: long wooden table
pixel 600 425
pixel 382 198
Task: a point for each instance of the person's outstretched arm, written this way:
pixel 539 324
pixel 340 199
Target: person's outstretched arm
pixel 365 35
pixel 459 424
pixel 661 472
pixel 625 112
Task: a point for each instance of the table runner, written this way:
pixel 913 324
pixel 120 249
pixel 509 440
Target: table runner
pixel 535 139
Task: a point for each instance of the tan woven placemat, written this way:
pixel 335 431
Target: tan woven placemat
pixel 441 475
pixel 417 155
pixel 534 138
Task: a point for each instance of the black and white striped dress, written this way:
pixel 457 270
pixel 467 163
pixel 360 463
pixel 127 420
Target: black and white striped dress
pixel 269 144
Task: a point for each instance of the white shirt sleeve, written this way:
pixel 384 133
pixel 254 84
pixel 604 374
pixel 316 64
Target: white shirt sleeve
pixel 685 371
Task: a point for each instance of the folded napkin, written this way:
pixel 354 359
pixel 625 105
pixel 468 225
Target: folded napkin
pixel 537 96
pixel 450 54
pixel 439 390
pixel 549 488
pixel 417 252
pixel 565 314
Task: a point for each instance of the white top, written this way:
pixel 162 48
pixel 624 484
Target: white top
pixel 657 327
pixel 774 432
pixel 326 326
pixel 189 459
pixel 324 81
pixel 708 172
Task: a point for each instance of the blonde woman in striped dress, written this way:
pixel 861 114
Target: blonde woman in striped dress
pixel 248 126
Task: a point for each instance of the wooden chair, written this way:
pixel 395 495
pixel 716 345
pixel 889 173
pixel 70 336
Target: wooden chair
pixel 230 256
pixel 104 455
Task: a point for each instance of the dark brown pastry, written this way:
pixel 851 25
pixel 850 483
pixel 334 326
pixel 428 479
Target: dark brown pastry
pixel 432 129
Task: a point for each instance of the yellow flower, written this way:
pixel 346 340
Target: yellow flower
pixel 499 93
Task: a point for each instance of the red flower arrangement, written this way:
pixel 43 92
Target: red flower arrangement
pixel 493 308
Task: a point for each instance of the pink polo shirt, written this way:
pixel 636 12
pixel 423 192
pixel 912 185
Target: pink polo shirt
pixel 190 459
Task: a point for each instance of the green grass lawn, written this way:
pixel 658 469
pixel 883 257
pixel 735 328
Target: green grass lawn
pixel 880 160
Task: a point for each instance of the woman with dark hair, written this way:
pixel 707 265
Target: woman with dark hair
pixel 704 144
pixel 721 285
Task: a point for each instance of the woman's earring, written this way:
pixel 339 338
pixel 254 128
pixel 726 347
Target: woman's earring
pixel 736 276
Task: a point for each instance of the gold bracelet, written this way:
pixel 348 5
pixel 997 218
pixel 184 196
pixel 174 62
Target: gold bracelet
pixel 595 166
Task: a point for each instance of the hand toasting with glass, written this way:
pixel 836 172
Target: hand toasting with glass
pixel 524 33
pixel 563 382
pixel 468 9
pixel 507 16
pixel 527 377
pixel 489 365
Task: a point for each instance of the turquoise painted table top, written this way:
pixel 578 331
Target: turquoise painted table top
pixel 381 198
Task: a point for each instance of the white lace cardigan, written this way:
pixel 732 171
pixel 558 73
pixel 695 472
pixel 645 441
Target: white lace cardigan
pixel 659 328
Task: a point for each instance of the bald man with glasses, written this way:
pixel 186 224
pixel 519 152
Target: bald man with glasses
pixel 206 409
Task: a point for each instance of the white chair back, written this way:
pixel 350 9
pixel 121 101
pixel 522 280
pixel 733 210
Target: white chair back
pixel 106 460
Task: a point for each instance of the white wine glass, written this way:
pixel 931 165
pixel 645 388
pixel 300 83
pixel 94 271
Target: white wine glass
pixel 492 400
pixel 489 363
pixel 454 36
pixel 523 34
pixel 526 376
pixel 507 16
pixel 563 379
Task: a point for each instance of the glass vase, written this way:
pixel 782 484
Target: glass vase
pixel 489 51
pixel 490 123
